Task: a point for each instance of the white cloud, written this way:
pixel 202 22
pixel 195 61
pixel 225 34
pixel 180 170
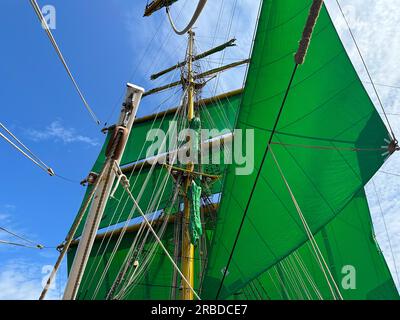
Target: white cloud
pixel 58 133
pixel 22 280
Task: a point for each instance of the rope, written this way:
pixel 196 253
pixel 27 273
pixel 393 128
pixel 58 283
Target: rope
pixel 150 208
pixel 28 154
pixel 21 245
pixel 35 245
pixel 60 55
pixel 138 199
pixel 387 232
pixel 310 235
pixel 196 15
pixel 159 241
pixel 390 173
pixel 308 276
pixel 366 68
pixel 327 147
pixel 70 237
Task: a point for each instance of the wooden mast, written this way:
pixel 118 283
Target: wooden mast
pixel 187 246
pixel 114 153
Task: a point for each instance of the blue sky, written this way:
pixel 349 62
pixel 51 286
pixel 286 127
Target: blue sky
pixel 108 43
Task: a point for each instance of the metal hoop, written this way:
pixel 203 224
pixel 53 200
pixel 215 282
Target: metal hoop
pixel 196 15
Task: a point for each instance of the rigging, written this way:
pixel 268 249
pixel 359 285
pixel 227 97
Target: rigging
pixel 63 61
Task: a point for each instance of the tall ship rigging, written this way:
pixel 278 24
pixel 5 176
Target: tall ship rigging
pixel 296 226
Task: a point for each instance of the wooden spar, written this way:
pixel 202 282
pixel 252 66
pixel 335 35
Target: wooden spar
pixel 135 227
pixel 156 5
pixel 196 77
pixel 221 69
pixel 230 43
pixel 147 163
pixel 187 246
pixel 204 102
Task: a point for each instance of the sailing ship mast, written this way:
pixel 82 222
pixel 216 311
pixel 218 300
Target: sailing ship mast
pixel 187 246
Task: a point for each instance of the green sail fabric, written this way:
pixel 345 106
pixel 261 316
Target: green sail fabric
pixel 195 227
pixel 352 254
pixel 154 284
pixel 327 116
pixel 156 280
pixel 218 113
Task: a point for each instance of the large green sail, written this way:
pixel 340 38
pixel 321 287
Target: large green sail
pixel 328 143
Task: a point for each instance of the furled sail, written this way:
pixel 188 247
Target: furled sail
pixel 328 144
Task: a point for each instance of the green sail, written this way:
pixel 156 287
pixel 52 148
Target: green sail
pixel 156 280
pixel 349 248
pixel 328 115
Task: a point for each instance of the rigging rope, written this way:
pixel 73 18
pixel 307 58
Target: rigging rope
pixel 27 153
pixel 196 15
pixel 35 245
pixel 70 236
pixel 327 147
pixel 387 232
pixel 310 235
pixel 390 173
pixel 63 61
pixel 21 245
pixel 159 241
pixel 366 68
pixel 142 190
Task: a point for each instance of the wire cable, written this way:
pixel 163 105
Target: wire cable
pixel 21 238
pixel 63 61
pixel 30 156
pixel 20 245
pixel 366 69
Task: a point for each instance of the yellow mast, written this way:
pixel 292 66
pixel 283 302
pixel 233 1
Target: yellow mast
pixel 187 246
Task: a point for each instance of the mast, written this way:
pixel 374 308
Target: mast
pixel 187 246
pixel 114 152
